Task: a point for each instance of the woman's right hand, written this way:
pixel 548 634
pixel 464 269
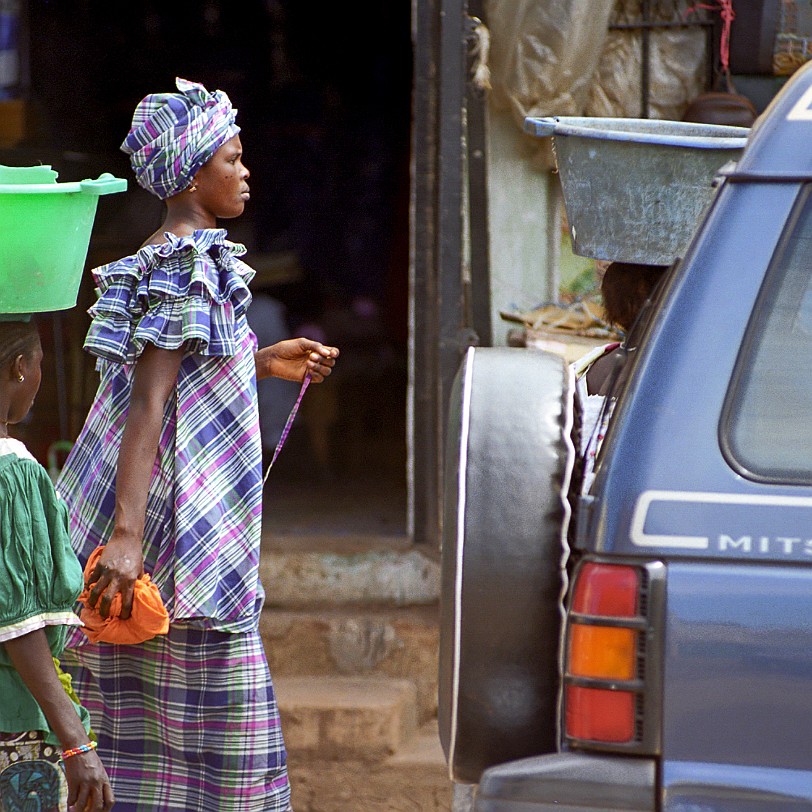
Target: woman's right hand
pixel 89 787
pixel 120 565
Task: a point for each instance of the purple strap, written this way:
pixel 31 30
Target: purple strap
pixel 288 424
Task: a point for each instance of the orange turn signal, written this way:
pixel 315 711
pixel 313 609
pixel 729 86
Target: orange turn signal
pixel 603 652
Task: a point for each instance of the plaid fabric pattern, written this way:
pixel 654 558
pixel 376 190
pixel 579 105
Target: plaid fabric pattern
pixel 187 291
pixel 203 518
pixel 186 723
pixel 174 134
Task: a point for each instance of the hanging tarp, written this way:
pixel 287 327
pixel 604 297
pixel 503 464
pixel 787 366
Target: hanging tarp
pixel 562 57
pixel 677 69
pixel 544 54
pixel 677 74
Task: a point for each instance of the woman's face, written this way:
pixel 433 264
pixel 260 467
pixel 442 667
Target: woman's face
pixel 23 392
pixel 222 183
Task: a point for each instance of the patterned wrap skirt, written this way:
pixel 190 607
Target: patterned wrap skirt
pixel 31 774
pixel 186 722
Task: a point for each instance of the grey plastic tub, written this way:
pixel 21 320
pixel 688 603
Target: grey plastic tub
pixel 635 189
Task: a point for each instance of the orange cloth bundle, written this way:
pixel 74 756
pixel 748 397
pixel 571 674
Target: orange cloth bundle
pixel 147 619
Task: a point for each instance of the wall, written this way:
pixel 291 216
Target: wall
pixel 524 225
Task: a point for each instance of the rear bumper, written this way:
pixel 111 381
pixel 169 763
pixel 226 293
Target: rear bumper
pixel 569 782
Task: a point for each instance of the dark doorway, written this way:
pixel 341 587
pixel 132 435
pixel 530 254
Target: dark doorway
pixel 323 94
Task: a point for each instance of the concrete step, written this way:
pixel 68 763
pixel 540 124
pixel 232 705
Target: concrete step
pixel 346 718
pixel 414 779
pixel 351 630
pixel 317 571
pixel 351 641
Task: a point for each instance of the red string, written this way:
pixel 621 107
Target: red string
pixel 725 9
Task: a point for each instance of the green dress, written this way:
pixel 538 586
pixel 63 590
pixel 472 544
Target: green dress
pixel 40 578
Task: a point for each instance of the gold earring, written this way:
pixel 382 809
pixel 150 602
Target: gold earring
pixel 193 187
pixel 21 378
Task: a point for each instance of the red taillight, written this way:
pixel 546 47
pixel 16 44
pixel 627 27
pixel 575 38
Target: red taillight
pixel 606 589
pixel 601 667
pixel 596 714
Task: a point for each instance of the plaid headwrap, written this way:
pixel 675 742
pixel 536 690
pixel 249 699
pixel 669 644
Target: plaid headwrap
pixel 174 134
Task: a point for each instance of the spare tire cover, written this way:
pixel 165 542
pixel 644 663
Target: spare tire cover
pixel 509 459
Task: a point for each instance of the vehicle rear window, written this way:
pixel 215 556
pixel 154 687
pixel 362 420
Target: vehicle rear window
pixel 767 428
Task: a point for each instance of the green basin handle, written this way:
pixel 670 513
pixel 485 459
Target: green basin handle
pixel 105 184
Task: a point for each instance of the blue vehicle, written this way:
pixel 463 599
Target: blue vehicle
pixel 647 646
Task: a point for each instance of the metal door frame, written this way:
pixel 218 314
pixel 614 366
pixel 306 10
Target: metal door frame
pixel 449 296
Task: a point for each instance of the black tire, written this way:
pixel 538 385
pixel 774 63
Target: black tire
pixel 509 459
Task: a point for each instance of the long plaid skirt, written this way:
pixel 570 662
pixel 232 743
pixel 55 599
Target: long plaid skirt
pixel 187 722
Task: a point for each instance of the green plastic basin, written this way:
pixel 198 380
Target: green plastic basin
pixel 44 235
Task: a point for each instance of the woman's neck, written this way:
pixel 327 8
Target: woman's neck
pixel 180 227
pixel 4 410
pixel 187 223
pixel 185 214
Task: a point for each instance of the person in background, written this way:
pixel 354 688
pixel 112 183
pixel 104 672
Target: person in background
pixel 625 288
pixel 47 757
pixel 166 474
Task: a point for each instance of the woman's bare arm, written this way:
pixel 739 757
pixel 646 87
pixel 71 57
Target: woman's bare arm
pixel 88 785
pixel 122 562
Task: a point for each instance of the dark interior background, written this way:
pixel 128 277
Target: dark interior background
pixel 323 93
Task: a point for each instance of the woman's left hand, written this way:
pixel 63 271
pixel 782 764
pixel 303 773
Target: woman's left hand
pixel 294 358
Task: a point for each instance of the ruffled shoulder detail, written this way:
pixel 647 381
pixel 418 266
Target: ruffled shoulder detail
pixel 189 291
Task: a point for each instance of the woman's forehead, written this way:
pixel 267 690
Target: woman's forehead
pixel 231 147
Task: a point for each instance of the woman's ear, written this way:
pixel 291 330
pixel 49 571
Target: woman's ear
pixel 17 369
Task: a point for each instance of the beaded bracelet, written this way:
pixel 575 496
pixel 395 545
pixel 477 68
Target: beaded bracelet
pixel 74 751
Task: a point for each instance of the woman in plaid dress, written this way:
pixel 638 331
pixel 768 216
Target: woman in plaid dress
pixel 167 473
